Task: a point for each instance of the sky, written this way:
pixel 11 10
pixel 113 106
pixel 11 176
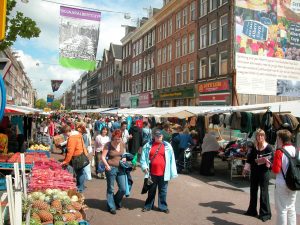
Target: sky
pixel 40 55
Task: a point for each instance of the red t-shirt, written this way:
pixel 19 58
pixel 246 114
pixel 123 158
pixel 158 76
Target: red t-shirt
pixel 139 123
pixel 158 164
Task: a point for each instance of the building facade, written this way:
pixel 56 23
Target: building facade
pixel 93 100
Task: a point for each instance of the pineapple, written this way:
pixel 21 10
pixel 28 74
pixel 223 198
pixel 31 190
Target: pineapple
pixel 58 217
pixel 69 208
pixel 40 205
pixel 53 211
pixel 73 223
pixel 69 217
pixel 66 201
pixel 56 204
pixel 45 216
pixel 78 215
pixel 36 217
pixel 59 223
pixel 77 206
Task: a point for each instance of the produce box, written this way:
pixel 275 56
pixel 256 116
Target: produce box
pixel 39 151
pixel 2 184
pixel 82 222
pixel 11 166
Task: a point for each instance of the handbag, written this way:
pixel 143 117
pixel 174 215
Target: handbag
pixel 148 181
pixel 80 161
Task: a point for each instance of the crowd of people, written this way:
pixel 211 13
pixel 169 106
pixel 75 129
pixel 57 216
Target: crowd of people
pixel 110 143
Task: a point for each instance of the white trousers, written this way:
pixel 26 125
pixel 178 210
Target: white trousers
pixel 285 201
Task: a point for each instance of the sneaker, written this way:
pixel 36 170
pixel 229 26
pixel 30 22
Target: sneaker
pixel 145 210
pixel 166 211
pixel 113 212
pixel 99 175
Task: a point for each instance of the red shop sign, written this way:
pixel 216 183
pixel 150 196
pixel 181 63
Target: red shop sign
pixel 213 86
pixel 145 99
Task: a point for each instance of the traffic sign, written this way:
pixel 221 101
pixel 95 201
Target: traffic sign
pixel 2 18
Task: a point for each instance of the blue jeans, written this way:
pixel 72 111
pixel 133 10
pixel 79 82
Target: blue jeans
pixel 114 200
pixel 158 181
pixel 80 179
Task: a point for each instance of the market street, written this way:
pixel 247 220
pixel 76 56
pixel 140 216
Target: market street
pixel 192 199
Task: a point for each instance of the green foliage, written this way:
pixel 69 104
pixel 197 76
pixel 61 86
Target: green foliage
pixel 55 104
pixel 18 26
pixel 40 103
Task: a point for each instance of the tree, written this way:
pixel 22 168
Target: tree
pixel 19 25
pixel 40 103
pixel 56 105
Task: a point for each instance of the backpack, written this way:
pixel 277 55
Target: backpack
pixel 292 176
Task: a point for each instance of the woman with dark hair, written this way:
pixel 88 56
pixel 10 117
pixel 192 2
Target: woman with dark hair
pixel 258 162
pixel 111 156
pixel 100 141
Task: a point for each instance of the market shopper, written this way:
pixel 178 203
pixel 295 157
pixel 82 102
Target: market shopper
pixel 166 131
pixel 285 199
pixel 75 147
pixel 111 157
pixel 158 162
pixel 100 141
pixel 258 163
pixel 210 147
pixel 125 134
pixel 147 133
pixel 135 142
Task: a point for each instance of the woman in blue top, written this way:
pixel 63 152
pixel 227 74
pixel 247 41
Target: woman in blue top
pixel 147 133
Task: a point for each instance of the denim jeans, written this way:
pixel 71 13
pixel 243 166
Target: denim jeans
pixel 80 179
pixel 114 200
pixel 158 181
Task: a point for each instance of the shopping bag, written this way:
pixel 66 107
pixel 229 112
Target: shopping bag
pixel 134 161
pixel 87 171
pixel 147 184
pixel 93 162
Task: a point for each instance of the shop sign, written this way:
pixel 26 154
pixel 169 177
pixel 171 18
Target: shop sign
pixel 215 99
pixel 187 93
pixel 145 99
pixel 214 86
pixel 125 100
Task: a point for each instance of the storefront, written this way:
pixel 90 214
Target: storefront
pixel 215 92
pixel 178 96
pixel 145 100
pixel 134 100
pixel 125 100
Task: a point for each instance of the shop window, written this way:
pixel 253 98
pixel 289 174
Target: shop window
pixel 202 68
pixel 213 32
pixel 203 37
pixel 165 103
pixel 184 45
pixel 170 52
pixel 213 4
pixel 170 28
pixel 192 11
pixel 178 47
pixel 203 7
pixel 192 43
pixel 185 16
pixel 223 27
pixel 178 20
pixel 191 72
pixel 169 78
pixel 184 74
pixel 177 75
pixel 223 63
pixel 212 66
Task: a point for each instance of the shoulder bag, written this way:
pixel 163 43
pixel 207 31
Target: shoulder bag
pixel 80 161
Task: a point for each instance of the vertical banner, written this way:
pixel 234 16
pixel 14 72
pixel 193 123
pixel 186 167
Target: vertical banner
pixel 55 84
pixel 78 40
pixel 50 98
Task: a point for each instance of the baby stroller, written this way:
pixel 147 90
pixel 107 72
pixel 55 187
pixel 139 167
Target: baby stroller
pixel 184 163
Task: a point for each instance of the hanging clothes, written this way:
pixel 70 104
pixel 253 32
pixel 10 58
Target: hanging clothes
pixel 277 122
pixel 235 121
pixel 246 122
pixel 200 128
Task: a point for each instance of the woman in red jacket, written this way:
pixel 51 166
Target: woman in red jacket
pixel 285 198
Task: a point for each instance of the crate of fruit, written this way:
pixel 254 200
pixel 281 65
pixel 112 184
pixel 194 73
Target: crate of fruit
pixel 11 166
pixel 47 153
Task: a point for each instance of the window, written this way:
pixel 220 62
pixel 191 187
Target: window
pixel 140 65
pixel 184 74
pixel 184 45
pixel 170 26
pixel 177 75
pixel 178 20
pixel 212 66
pixel 164 55
pixel 223 63
pixel 203 7
pixel 152 82
pixel 145 43
pixel 149 39
pixel 169 78
pixel 153 37
pixel 170 52
pixel 192 43
pixel 158 81
pixel 223 28
pixel 145 63
pixel 203 36
pixel 144 83
pixel 191 72
pixel 213 4
pixel 202 68
pixel 159 34
pixel 213 32
pixel 158 56
pixel 163 79
pixel 178 48
pixel 185 16
pixel 164 30
pixel 141 46
pixel 148 83
pixel 149 61
pixel 222 2
pixel 192 11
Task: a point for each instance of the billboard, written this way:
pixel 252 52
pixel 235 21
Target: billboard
pixel 50 98
pixel 78 38
pixel 267 45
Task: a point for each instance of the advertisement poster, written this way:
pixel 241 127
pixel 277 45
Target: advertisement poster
pixel 55 84
pixel 50 98
pixel 288 88
pixel 78 38
pixel 267 44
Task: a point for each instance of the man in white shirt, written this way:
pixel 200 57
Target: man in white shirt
pixel 125 134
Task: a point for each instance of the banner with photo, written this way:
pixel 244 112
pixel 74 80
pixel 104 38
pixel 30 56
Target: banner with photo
pixel 290 88
pixel 50 98
pixel 267 44
pixel 78 38
pixel 55 84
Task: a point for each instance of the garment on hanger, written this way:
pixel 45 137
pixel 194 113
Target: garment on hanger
pixel 235 121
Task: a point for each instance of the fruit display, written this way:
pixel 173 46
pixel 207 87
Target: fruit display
pixel 30 158
pixel 50 175
pixel 4 158
pixel 55 206
pixel 39 147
